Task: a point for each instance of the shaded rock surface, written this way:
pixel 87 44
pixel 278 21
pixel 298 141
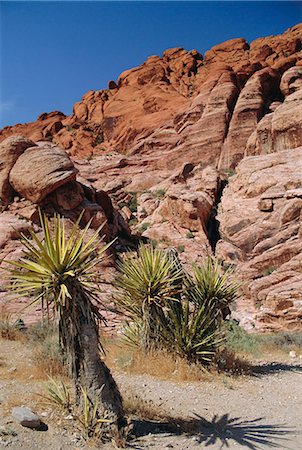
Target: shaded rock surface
pixel 10 150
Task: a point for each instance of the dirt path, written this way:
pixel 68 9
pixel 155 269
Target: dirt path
pixel 259 412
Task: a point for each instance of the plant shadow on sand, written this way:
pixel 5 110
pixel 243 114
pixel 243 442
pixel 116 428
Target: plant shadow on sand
pixel 275 367
pixel 253 434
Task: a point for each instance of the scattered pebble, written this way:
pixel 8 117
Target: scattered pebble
pixel 26 417
pixel 69 417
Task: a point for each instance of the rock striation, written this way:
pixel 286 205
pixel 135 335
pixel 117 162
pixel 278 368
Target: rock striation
pixel 261 234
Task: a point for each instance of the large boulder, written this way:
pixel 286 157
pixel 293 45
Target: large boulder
pixel 10 150
pixel 41 170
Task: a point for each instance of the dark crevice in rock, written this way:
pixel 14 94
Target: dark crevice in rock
pixel 212 226
pixel 276 96
pixel 231 106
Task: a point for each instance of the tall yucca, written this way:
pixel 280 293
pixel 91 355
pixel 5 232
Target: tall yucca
pixel 148 282
pixel 60 270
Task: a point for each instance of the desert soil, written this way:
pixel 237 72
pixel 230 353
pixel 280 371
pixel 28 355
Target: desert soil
pixel 253 412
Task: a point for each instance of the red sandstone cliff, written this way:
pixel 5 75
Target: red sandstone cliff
pixel 167 137
pixel 217 99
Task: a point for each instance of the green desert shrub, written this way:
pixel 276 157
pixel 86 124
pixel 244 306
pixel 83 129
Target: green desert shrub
pixel 190 235
pixel 169 309
pixel 144 227
pixel 160 193
pixel 147 283
pixel 133 202
pixel 284 341
pixel 209 283
pixel 238 340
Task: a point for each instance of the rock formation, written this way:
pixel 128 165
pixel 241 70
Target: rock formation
pixel 178 87
pixel 43 176
pixel 261 234
pixel 155 151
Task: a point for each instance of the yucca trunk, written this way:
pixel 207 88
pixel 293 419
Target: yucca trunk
pixel 80 340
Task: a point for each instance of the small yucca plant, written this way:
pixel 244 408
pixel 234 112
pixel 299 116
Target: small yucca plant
pixel 147 284
pixel 9 328
pixel 192 332
pixel 170 309
pixel 58 394
pixel 89 418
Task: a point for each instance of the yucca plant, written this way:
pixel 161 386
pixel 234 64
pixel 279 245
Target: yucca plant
pixel 147 284
pixel 89 419
pixel 192 331
pixel 209 283
pixel 168 308
pixel 60 271
pixel 58 393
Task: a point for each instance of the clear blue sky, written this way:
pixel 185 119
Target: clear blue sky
pixel 54 52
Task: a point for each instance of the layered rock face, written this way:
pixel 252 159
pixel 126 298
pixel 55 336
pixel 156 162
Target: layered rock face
pixel 155 151
pixel 260 216
pixel 261 234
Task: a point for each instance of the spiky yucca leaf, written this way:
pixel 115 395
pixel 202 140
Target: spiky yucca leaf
pixel 89 419
pixel 148 282
pixel 131 333
pixel 150 277
pixel 58 394
pixel 210 284
pixel 192 332
pixel 51 266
